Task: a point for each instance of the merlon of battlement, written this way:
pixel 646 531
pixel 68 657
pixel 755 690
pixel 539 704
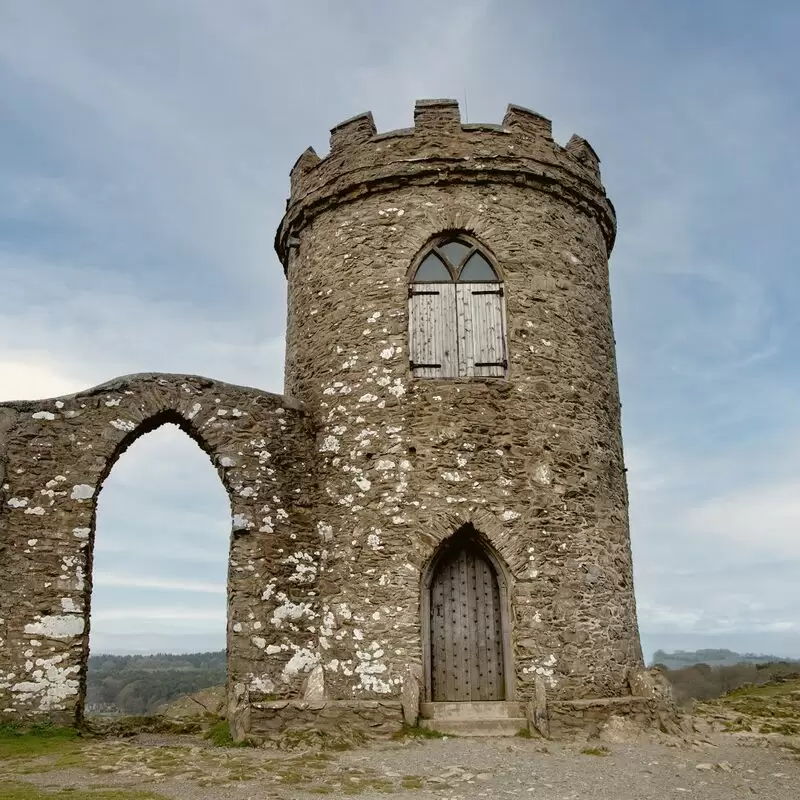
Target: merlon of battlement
pixel 355 130
pixel 527 122
pixel 584 152
pixel 437 115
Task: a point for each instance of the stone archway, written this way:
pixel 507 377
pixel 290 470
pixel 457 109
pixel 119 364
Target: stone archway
pixel 466 641
pixel 54 456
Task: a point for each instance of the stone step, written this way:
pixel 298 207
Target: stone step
pixel 489 710
pixel 507 726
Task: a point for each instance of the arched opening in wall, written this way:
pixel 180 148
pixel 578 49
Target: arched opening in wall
pixel 465 622
pixel 157 584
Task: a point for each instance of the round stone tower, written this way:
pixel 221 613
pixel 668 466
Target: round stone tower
pixel 449 332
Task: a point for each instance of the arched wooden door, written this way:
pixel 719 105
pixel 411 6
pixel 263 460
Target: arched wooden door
pixel 466 647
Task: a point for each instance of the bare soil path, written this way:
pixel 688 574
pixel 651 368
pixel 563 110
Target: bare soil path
pixel 719 765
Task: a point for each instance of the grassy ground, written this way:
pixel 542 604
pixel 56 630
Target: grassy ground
pixel 770 709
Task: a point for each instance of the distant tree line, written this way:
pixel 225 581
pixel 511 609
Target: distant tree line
pixel 714 658
pixel 138 684
pixel 704 682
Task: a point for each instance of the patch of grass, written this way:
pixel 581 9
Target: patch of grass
pixel 22 791
pixel 412 782
pixel 31 741
pixel 416 732
pixel 602 750
pixel 219 734
pixel 524 733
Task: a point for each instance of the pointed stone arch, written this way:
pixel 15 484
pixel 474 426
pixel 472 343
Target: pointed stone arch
pixel 151 424
pixel 55 454
pixel 499 536
pixel 468 555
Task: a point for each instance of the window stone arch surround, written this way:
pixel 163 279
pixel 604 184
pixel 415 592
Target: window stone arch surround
pixel 454 233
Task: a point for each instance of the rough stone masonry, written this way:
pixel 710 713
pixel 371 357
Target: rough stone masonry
pixel 345 491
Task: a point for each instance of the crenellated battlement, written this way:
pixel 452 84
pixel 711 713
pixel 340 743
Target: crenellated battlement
pixel 440 148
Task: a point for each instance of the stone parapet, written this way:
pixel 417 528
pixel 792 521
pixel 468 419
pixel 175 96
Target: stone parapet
pixel 440 149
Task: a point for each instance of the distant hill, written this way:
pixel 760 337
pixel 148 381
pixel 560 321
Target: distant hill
pixel 714 658
pixel 137 684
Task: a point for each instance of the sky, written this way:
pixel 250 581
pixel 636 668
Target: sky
pixel 144 158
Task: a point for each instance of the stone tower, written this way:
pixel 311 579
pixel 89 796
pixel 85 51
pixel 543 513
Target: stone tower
pixel 470 466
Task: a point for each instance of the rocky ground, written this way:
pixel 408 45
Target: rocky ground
pixel 737 747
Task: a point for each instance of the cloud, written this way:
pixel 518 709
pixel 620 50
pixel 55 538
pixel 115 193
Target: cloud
pixel 161 614
pixel 29 380
pixel 114 579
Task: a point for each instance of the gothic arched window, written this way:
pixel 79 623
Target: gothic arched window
pixel 456 313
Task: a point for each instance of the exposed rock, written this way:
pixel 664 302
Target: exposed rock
pixel 536 710
pixel 315 686
pixel 410 693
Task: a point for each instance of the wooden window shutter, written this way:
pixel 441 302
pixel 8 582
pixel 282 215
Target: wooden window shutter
pixel 481 330
pixel 432 330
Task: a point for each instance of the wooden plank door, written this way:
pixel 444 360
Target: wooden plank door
pixel 466 628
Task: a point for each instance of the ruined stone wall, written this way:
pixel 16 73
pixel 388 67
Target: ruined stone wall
pixel 54 456
pixel 534 461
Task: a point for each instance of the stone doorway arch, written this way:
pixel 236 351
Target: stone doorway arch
pixel 466 642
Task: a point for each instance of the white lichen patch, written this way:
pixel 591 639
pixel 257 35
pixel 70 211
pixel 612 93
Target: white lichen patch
pixel 305 567
pixel 303 660
pixel 543 475
pixel 194 411
pixel 82 491
pixel 261 683
pixel 36 510
pixel 508 515
pixel 363 483
pixel 241 523
pixel 48 685
pixel 48 415
pixel 330 444
pixel 17 502
pixel 63 626
pixel 397 389
pixel 290 612
pixel 122 425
